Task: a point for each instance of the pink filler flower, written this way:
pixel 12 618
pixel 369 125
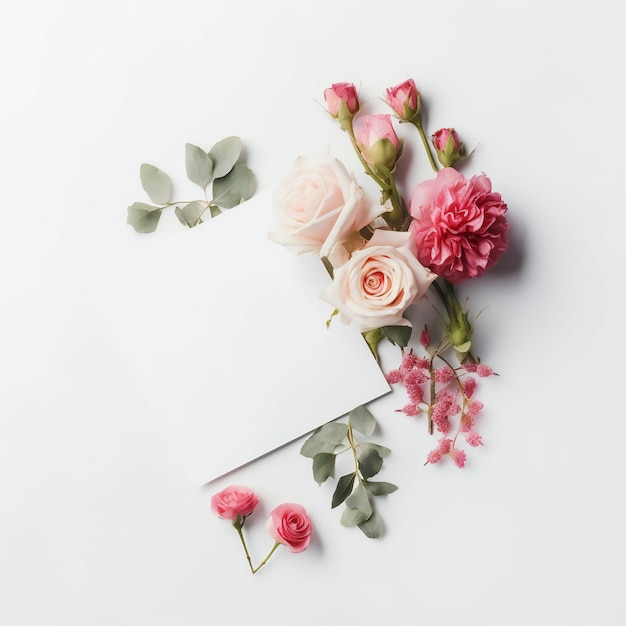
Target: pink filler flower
pixel 459 225
pixel 290 525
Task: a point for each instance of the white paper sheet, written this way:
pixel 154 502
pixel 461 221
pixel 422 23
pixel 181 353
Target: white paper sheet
pixel 225 335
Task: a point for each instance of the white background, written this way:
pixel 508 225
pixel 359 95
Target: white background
pixel 99 525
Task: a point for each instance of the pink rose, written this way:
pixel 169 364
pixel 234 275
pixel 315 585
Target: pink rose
pixel 342 94
pixel 234 501
pixel 404 99
pixel 319 206
pixel 290 525
pixel 379 282
pixel 377 140
pixel 459 225
pixel 448 146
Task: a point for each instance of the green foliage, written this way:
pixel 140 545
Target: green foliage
pixel 354 489
pixel 231 183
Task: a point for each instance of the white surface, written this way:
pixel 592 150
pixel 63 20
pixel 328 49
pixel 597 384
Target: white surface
pixel 224 334
pixel 99 526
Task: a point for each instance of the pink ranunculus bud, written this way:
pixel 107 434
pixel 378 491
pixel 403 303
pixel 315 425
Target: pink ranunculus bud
pixel 342 101
pixel 404 99
pixel 448 146
pixel 234 503
pixel 377 140
pixel 290 525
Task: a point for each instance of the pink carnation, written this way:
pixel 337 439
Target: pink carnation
pixel 458 224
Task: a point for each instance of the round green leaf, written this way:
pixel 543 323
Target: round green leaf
pixel 323 466
pixel 362 420
pixel 234 188
pixel 224 155
pixel 156 184
pixel 191 214
pixel 144 218
pixel 199 165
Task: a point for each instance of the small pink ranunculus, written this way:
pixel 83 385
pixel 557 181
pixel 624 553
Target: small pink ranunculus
pixel 290 525
pixel 377 140
pixel 459 225
pixel 234 501
pixel 338 94
pixel 404 99
pixel 318 206
pixel 379 282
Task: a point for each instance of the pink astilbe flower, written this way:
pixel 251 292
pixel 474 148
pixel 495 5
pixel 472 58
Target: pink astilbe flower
pixel 434 456
pixel 469 386
pixel 474 439
pixel 425 337
pixel 459 457
pixel 444 375
pixel 393 377
pixel 484 370
pixel 410 409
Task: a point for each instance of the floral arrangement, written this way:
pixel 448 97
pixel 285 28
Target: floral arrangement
pixel 288 524
pixel 384 257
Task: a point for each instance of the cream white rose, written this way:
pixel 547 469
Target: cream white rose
pixel 379 282
pixel 319 206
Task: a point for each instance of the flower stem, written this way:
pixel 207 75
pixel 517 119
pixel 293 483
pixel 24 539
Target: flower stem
pixel 265 560
pixel 417 122
pixel 238 527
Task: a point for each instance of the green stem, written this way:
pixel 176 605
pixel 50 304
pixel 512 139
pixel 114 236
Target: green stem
pixel 266 559
pixel 238 528
pixel 417 122
pixel 354 453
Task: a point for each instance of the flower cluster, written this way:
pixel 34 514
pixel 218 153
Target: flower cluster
pixel 445 394
pixel 288 524
pixel 385 256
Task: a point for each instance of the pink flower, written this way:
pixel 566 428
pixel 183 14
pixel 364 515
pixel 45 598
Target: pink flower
pixel 290 525
pixel 448 146
pixel 378 283
pixel 404 99
pixel 459 225
pixel 342 100
pixel 234 501
pixel 377 140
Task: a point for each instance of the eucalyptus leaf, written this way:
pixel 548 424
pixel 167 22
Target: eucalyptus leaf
pixel 234 188
pixel 144 218
pixel 373 526
pixel 324 439
pixel 156 184
pixel 359 499
pixel 343 489
pixel 366 445
pixel 380 488
pixel 353 517
pixel 199 165
pixel 323 466
pixel 362 420
pixel 224 155
pixel 215 210
pixel 398 335
pixel 191 214
pixel 370 462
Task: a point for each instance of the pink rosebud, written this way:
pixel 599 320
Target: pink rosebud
pixel 234 501
pixel 342 101
pixel 290 525
pixel 377 140
pixel 404 99
pixel 448 146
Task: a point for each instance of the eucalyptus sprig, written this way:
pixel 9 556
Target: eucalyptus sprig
pixel 232 182
pixel 354 488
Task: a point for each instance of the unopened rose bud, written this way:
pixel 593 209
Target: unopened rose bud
pixel 377 141
pixel 449 148
pixel 342 102
pixel 404 99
